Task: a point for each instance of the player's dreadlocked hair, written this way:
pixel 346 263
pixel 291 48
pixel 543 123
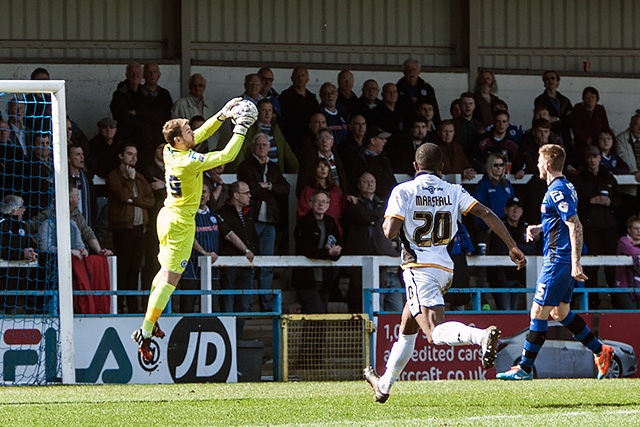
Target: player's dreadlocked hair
pixel 429 157
pixel 173 129
pixel 555 155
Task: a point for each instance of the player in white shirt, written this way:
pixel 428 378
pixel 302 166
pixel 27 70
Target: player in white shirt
pixel 425 212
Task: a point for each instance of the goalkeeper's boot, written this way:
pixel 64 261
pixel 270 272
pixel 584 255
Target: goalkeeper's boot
pixel 516 373
pixel 603 362
pixel 489 346
pixel 374 379
pixel 144 345
pixel 157 332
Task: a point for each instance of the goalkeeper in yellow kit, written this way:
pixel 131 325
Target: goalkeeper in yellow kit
pixel 176 223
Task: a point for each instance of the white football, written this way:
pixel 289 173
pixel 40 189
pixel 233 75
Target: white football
pixel 244 108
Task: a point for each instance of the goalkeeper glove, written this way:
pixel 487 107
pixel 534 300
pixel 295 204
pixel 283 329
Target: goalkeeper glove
pixel 226 112
pixel 243 123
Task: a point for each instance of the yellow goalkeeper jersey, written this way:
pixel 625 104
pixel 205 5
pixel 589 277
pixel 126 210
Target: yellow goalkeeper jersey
pixel 183 169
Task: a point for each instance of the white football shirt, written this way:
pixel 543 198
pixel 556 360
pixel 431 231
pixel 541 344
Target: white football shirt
pixel 430 208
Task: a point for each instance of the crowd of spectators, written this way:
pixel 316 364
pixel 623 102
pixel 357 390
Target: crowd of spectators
pixel 346 149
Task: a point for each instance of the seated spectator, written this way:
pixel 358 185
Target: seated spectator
pixel 316 236
pixel 75 135
pixel 526 159
pixel 305 148
pixel 322 179
pixel 628 276
pixel 324 149
pixel 452 153
pixel 12 162
pixel 350 146
pixel 588 118
pixel 267 91
pixel 426 111
pixel 15 245
pixel 369 98
pixel 510 277
pixel 493 191
pixel 484 95
pixel 459 248
pixel 498 140
pixel 454 108
pixel 252 88
pixel 336 117
pixel 17 127
pixel 347 99
pixel 611 161
pixel 514 130
pixel 597 192
pixel 219 190
pixel 38 176
pixel 404 149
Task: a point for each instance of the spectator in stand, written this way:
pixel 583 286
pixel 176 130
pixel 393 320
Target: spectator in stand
pixel 237 216
pixel 598 195
pixel 154 172
pixel 469 131
pixel 297 104
pixel 387 115
pixel 426 111
pixel 38 176
pixel 194 104
pixel 629 151
pixel 209 228
pixel 514 130
pixel 347 99
pixel 82 182
pixel 363 236
pixel 324 150
pixel 307 147
pixel 38 105
pixel 350 146
pixel 454 108
pixel 498 140
pixel 493 191
pixel 336 117
pixel 628 276
pixel 401 153
pixel 484 96
pixel 526 158
pixel 269 190
pixel 587 120
pixel 12 162
pixel 459 248
pixel 371 158
pixel 280 152
pixel 129 109
pixel 130 199
pixel 369 98
pixel 412 89
pixel 558 105
pixel 267 91
pixel 158 100
pixel 322 179
pixel 611 161
pixel 317 236
pixel 510 277
pixel 17 127
pixel 252 88
pixel 102 158
pixel 452 153
pixel 219 190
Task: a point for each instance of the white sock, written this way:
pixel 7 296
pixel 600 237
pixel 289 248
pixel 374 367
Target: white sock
pixel 456 333
pixel 398 358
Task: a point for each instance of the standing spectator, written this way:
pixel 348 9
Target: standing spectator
pixel 350 146
pixel 267 91
pixel 12 162
pixel 598 195
pixel 426 111
pixel 628 276
pixel 81 181
pixel 158 100
pixel 130 198
pixel 269 189
pixel 629 151
pixel 324 149
pixel 335 116
pixel 317 236
pixel 484 95
pixel 219 190
pixel 237 216
pixel 369 98
pixel 363 236
pixel 38 176
pixel 452 153
pixel 387 115
pixel 509 277
pixel 38 105
pixel 404 148
pixel 493 191
pixel 558 105
pixel 307 146
pixel 587 120
pixel 469 131
pixel 252 88
pixel 347 99
pixel 412 89
pixel 194 104
pixel 17 127
pixel 608 146
pixel 297 104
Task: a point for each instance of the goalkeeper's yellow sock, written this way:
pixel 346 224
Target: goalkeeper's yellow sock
pixel 158 300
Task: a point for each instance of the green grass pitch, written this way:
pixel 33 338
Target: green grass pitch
pixel 564 403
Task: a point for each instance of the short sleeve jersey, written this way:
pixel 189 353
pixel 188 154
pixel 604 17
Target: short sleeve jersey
pixel 209 229
pixel 430 208
pixel 559 204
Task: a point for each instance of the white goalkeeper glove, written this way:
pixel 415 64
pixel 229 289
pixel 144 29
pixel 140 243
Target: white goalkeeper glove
pixel 243 115
pixel 226 111
pixel 242 124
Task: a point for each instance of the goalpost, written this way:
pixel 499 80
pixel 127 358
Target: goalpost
pixel 31 353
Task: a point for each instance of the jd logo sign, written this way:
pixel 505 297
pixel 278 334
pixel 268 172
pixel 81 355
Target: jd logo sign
pixel 199 351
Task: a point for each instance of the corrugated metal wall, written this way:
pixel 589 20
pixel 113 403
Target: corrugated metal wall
pixel 85 30
pixel 331 31
pixel 561 34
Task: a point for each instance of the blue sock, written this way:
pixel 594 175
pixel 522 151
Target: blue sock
pixel 581 332
pixel 535 339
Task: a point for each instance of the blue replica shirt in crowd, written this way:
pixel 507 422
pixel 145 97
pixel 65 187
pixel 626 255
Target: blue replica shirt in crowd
pixel 559 204
pixel 209 228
